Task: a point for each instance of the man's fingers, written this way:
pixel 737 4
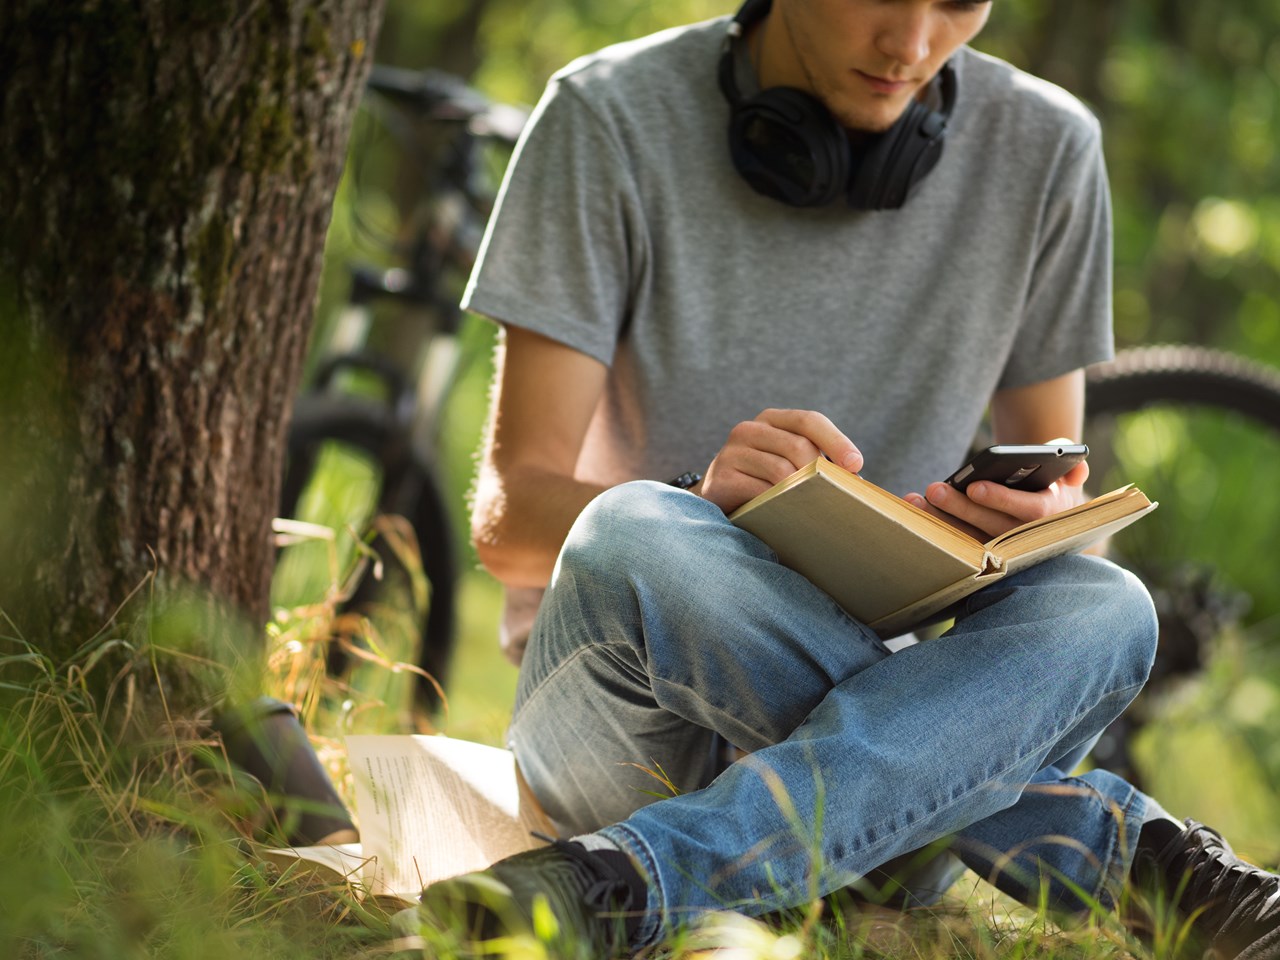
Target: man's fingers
pixel 994 497
pixel 818 429
pixel 1077 475
pixel 767 466
pixel 918 501
pixel 768 449
pixel 1023 505
pixel 762 442
pixel 989 517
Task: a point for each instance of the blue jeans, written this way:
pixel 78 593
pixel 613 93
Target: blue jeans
pixel 668 631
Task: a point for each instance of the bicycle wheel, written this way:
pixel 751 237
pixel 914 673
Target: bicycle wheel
pixel 347 463
pixel 1199 431
pixel 418 500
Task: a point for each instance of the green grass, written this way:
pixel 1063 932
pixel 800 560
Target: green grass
pixel 134 846
pixel 120 838
pixel 484 681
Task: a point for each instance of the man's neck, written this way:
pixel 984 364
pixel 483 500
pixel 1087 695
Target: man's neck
pixel 773 55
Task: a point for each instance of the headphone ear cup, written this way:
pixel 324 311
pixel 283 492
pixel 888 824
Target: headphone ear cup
pixel 786 145
pixel 897 160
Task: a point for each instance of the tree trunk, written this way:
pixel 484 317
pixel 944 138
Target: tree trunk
pixel 166 176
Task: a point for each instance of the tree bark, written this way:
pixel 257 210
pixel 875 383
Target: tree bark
pixel 166 177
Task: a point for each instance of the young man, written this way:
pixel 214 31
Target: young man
pixel 898 234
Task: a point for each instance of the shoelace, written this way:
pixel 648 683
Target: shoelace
pixel 599 886
pixel 1236 897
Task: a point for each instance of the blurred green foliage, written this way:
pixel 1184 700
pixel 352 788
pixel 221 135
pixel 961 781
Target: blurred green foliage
pixel 1187 95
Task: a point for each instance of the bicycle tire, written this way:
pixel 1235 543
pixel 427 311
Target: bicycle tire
pixel 372 430
pixel 1208 407
pixel 317 418
pixel 421 502
pixel 1188 374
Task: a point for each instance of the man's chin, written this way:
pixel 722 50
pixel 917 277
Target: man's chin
pixel 862 120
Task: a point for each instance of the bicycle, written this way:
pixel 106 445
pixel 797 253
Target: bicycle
pixel 376 398
pixel 1191 426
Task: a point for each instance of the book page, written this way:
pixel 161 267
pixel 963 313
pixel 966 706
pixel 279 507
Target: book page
pixel 341 861
pixel 432 807
pixel 1081 526
pixel 1081 539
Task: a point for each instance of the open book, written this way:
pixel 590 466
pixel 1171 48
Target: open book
pixel 892 565
pixel 429 808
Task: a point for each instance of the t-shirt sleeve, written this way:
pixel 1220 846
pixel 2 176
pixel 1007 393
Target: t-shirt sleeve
pixel 1067 321
pixel 566 236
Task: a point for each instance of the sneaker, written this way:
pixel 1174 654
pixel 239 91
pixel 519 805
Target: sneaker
pixel 1202 897
pixel 596 898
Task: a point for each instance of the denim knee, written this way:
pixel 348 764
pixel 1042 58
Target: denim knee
pixel 1123 600
pixel 630 534
pixel 1117 616
pixel 591 600
pixel 1080 612
pixel 616 559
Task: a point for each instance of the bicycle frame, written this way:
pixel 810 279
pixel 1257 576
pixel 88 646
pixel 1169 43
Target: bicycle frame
pixel 387 398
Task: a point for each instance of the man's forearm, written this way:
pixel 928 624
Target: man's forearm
pixel 520 520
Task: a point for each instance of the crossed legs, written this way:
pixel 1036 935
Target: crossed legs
pixel 667 631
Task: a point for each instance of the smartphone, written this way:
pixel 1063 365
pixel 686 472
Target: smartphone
pixel 1022 467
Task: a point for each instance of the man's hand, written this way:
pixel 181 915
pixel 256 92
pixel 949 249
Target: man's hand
pixel 985 509
pixel 770 448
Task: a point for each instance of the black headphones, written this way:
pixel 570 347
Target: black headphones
pixel 788 146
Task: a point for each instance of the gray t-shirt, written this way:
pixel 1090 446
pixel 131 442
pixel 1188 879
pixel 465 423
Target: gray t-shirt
pixel 624 231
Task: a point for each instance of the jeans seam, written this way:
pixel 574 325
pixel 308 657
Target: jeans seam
pixel 1115 857
pixel 564 664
